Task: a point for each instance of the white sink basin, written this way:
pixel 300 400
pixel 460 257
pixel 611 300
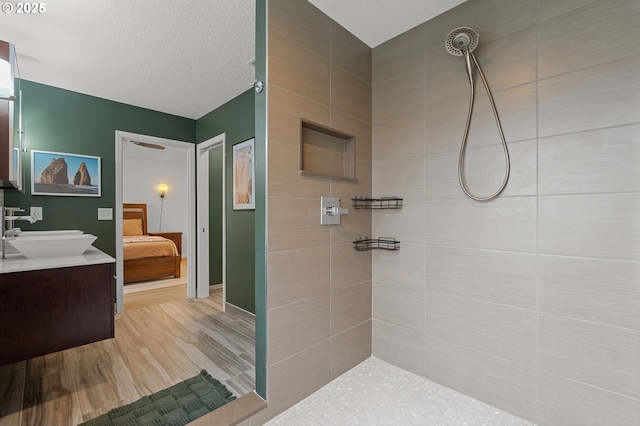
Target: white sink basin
pixel 35 244
pixel 45 233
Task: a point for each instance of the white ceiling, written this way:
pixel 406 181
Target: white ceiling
pixel 376 21
pixel 183 57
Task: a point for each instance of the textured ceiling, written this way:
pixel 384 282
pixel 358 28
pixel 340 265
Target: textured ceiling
pixel 183 57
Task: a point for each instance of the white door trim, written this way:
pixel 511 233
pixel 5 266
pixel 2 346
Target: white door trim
pixel 203 216
pixel 120 139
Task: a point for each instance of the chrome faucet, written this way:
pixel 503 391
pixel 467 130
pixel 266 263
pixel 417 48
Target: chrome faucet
pixel 8 219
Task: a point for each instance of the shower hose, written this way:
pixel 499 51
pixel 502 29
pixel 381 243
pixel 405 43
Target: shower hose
pixel 468 56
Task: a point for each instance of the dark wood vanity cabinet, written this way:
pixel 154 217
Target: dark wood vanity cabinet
pixel 45 311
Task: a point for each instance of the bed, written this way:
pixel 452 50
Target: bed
pixel 146 257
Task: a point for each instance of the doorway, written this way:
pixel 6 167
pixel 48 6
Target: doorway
pixel 188 149
pixel 211 217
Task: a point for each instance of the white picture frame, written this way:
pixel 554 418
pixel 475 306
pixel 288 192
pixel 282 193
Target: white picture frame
pixel 244 175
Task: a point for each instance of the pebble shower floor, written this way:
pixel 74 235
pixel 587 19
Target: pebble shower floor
pixel 378 393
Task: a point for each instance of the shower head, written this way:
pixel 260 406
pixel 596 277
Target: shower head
pixel 461 39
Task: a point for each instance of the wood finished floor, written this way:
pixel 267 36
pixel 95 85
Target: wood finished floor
pixel 155 347
pixel 154 297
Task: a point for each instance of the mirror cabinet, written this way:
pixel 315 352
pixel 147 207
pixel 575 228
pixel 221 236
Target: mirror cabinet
pixel 11 133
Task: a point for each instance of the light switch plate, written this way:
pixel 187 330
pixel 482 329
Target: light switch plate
pixel 105 213
pixel 35 212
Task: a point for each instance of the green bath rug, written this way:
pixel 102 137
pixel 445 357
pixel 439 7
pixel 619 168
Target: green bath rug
pixel 176 406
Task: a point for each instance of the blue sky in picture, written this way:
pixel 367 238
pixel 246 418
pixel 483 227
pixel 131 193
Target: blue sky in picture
pixel 41 159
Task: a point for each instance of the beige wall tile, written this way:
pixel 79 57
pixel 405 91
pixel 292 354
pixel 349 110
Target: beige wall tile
pixel 571 403
pixel 604 160
pixel 349 53
pixel 297 326
pixel 399 346
pixel 596 354
pixel 407 225
pixel 302 22
pixel 350 306
pixel 484 171
pixel 357 222
pixel 503 224
pixel 298 274
pixel 399 97
pixel 285 110
pixel 348 266
pixel 604 291
pixel 294 223
pixel 516 109
pixel 501 383
pixel 404 267
pixel 499 330
pixel 346 190
pixel 445 125
pixel 399 305
pixel 284 174
pixel 480 311
pixel 604 226
pixel 350 348
pixel 447 82
pixel 350 95
pixel 493 276
pixel 599 96
pixel 401 177
pixel 298 69
pixel 360 129
pixel 617 27
pixel 401 137
pixel 283 391
pixel 403 53
pixel 550 8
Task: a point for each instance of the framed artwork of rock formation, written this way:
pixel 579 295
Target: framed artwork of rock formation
pixel 57 173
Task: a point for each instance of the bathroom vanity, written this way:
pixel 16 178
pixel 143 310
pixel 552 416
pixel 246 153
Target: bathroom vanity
pixel 55 303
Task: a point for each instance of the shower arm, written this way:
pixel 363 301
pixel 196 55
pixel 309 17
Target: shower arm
pixel 468 57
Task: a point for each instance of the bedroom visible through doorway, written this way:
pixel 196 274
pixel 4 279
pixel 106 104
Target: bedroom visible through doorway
pixel 155 210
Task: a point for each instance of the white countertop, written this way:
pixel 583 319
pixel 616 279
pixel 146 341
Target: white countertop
pixel 16 262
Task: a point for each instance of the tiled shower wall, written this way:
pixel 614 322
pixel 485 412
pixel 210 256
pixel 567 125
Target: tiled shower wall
pixel 530 302
pixel 319 287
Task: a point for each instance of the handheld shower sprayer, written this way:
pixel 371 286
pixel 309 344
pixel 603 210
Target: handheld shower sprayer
pixel 462 41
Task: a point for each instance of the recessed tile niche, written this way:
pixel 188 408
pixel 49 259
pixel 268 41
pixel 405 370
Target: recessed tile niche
pixel 326 152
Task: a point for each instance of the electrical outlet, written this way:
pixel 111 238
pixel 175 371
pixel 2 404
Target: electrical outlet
pixel 36 213
pixel 105 213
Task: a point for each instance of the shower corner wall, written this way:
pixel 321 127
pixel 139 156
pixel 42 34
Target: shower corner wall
pixel 319 287
pixel 527 302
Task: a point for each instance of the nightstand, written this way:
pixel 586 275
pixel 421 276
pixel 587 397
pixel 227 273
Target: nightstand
pixel 176 237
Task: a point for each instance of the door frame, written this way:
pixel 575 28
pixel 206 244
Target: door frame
pixel 121 138
pixel 202 226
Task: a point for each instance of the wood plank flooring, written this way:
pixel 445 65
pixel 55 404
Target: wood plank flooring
pixel 154 297
pixel 155 347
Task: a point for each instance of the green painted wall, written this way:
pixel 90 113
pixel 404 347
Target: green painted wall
pixel 69 122
pixel 235 119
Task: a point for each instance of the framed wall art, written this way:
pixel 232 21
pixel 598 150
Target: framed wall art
pixel 243 175
pixel 72 175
